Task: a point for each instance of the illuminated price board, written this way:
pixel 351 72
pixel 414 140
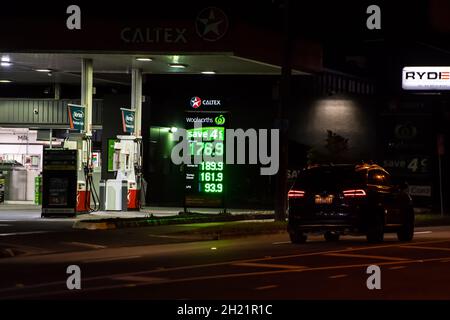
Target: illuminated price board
pixel 205 180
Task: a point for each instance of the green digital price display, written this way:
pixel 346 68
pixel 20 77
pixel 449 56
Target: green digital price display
pixel 206 148
pixel 211 166
pixel 205 179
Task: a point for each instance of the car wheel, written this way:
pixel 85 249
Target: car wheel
pixel 406 232
pixel 331 236
pixel 298 237
pixel 375 229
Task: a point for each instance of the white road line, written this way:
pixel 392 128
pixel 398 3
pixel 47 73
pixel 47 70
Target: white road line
pixel 423 232
pixel 21 233
pixel 266 258
pixel 267 287
pixel 281 242
pixel 85 245
pixel 25 248
pixel 338 276
pixel 110 259
pixel 197 278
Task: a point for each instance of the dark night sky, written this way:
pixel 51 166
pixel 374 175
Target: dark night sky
pixel 339 25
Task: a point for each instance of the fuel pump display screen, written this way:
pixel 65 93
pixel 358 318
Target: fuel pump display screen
pixel 59 182
pixel 205 180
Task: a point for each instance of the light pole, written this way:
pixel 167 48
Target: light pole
pixel 282 123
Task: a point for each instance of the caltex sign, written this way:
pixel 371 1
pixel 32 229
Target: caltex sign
pixel 197 102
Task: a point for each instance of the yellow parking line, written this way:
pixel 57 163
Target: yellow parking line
pixel 350 255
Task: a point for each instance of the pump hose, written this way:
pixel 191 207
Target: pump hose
pixel 90 183
pixel 95 197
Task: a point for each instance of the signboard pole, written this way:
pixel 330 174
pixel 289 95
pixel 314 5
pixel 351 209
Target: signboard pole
pixel 441 196
pixel 50 138
pixel 441 151
pixel 136 100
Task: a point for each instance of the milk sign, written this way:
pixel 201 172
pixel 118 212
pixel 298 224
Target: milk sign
pixel 127 120
pixel 76 116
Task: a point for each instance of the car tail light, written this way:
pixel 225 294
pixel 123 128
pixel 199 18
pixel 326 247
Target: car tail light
pixel 354 193
pixel 296 194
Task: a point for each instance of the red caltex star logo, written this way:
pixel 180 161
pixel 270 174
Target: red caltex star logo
pixel 211 24
pixel 196 102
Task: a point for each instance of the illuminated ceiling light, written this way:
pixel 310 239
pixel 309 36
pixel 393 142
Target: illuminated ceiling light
pixel 178 65
pixel 144 59
pixel 5 59
pixel 43 70
pixel 208 72
pixel 173 129
pixel 213 248
pixel 5 81
pixel 5 64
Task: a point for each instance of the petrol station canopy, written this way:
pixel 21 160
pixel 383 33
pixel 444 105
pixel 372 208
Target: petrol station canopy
pixel 200 38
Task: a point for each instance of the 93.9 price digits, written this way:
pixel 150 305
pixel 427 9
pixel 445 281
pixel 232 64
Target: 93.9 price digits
pixel 213 187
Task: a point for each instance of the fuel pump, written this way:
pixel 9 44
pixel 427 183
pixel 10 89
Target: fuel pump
pixel 127 164
pixel 85 186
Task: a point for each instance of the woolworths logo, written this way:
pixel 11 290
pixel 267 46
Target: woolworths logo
pixel 78 115
pixel 220 120
pixel 129 119
pixel 199 120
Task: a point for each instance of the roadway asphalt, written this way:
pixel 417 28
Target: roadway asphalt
pixel 144 263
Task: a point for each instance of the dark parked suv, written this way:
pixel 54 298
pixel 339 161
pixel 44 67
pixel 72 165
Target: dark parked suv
pixel 349 199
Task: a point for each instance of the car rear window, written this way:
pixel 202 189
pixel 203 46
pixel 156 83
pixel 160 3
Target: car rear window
pixel 330 178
